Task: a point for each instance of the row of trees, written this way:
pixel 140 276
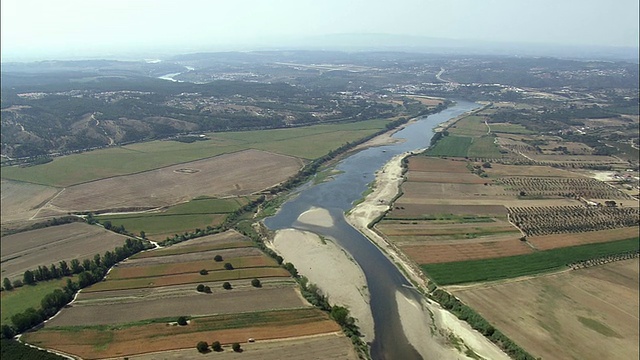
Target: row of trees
pixel 203 347
pixel 90 272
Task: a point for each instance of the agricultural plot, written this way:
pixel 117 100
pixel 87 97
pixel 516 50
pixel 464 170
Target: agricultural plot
pixel 216 177
pixel 456 146
pixel 328 346
pixel 436 165
pixel 197 213
pixel 582 314
pixel 555 241
pixel 566 187
pixel 452 213
pixel 572 219
pixel 20 200
pixel 472 126
pixel 441 252
pixel 226 240
pixel 521 265
pixel 154 336
pixel 20 299
pixel 27 250
pixel 304 142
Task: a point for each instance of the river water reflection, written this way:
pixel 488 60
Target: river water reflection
pixel 337 196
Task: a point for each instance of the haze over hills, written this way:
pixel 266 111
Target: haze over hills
pixel 349 42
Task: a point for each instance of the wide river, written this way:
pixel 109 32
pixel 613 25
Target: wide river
pixel 337 196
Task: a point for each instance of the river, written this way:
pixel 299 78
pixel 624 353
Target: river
pixel 384 280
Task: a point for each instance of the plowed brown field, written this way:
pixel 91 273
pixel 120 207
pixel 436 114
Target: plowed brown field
pixel 441 253
pixel 563 240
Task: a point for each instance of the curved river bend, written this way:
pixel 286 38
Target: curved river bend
pixel 337 196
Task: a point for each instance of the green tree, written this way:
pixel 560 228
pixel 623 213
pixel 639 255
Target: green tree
pixel 226 285
pixel 182 320
pixel 256 283
pixel 107 225
pixel 203 272
pixel 200 288
pixel 228 266
pixel 6 284
pixel 236 347
pixel 76 268
pixel 28 278
pixel 216 346
pixel 7 332
pixel 202 347
pixel 217 258
pixel 143 234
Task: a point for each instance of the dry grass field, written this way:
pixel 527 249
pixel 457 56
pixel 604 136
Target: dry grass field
pixel 20 200
pixel 102 308
pixel 580 314
pixel 440 252
pixel 27 250
pixel 155 337
pixel 217 177
pixel 322 346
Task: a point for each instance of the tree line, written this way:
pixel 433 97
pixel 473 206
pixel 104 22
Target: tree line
pixel 89 272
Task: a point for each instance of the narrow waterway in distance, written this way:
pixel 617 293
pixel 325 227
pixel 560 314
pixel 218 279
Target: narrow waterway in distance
pixel 337 196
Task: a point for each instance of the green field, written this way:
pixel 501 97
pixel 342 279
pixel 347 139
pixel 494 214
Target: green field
pixel 510 129
pixel 197 213
pixel 473 126
pixel 484 147
pixel 20 299
pixel 451 146
pixel 306 142
pixel 529 264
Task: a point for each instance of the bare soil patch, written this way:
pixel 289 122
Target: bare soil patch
pixel 163 303
pixel 554 241
pixel 402 210
pixel 459 178
pixel 430 164
pixel 440 253
pixel 498 170
pixel 219 176
pixel 584 314
pixel 27 250
pixel 21 201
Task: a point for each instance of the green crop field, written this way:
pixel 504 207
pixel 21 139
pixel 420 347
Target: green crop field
pixel 22 298
pixel 305 142
pixel 469 126
pixel 484 147
pixel 197 213
pixel 520 265
pixel 451 146
pixel 510 129
pixel 193 248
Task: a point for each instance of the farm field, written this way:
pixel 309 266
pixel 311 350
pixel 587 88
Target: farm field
pixel 581 314
pixel 22 298
pixel 555 241
pixel 180 183
pixel 141 157
pixel 27 250
pixel 324 346
pixel 197 213
pixel 142 295
pixel 20 200
pixel 153 336
pixel 521 265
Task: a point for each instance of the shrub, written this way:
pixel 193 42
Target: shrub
pixel 200 288
pixel 228 266
pixel 203 272
pixel 207 290
pixel 202 346
pixel 256 283
pixel 182 320
pixel 217 258
pixel 226 285
pixel 236 347
pixel 216 346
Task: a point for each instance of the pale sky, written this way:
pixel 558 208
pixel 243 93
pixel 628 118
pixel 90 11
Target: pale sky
pixel 44 28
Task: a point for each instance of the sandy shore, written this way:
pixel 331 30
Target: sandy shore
pixel 329 267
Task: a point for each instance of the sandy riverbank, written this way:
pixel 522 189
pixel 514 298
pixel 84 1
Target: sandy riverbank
pixel 329 267
pixel 416 318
